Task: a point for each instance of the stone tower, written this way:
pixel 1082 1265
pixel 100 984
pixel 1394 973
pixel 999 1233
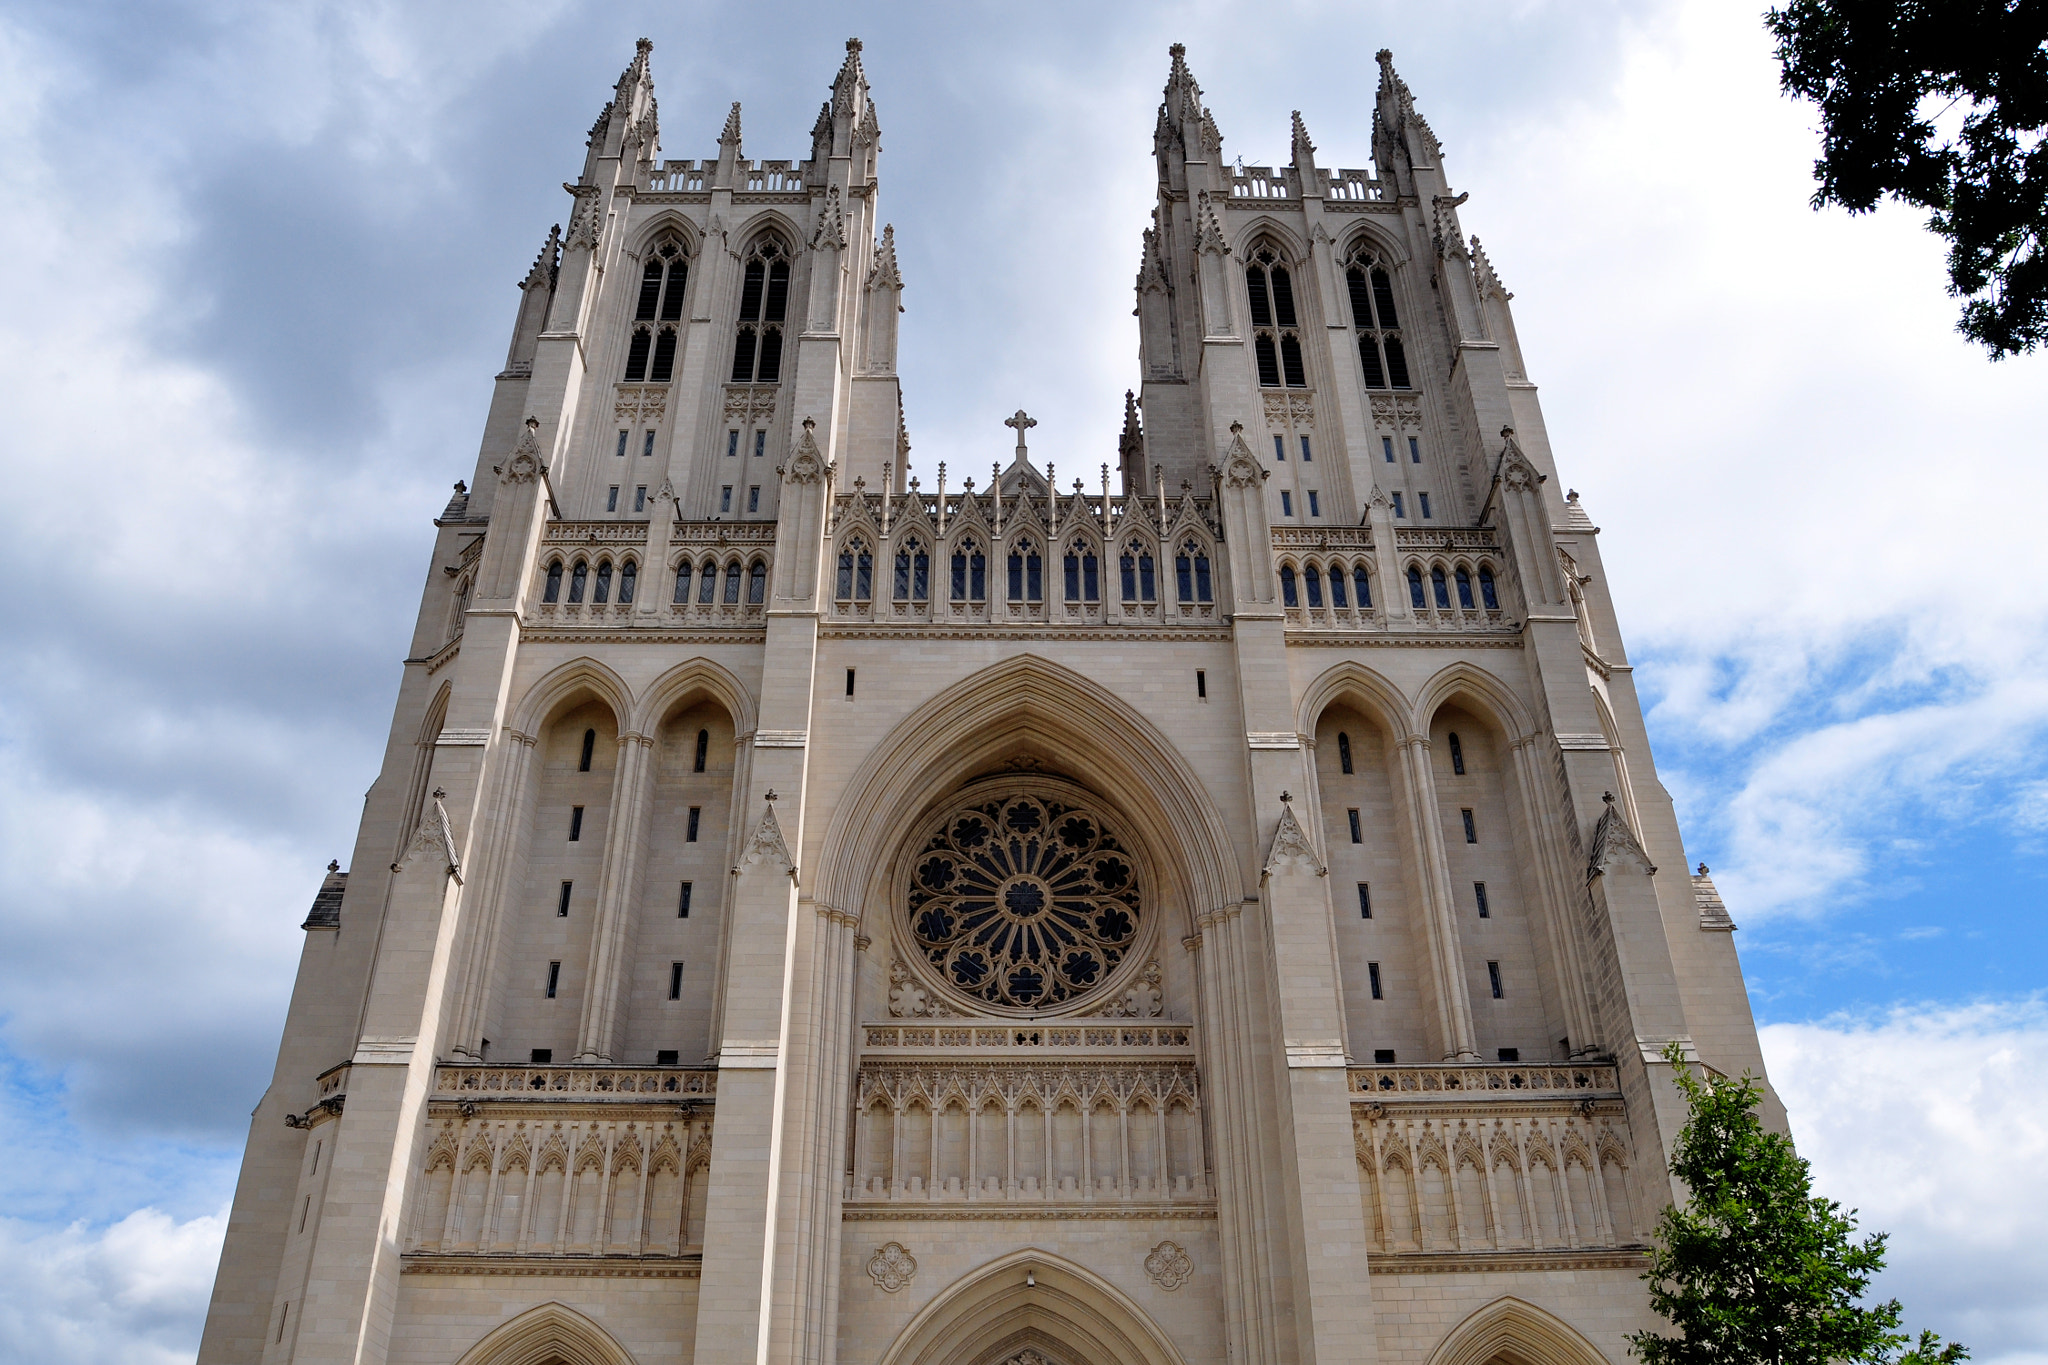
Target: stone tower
pixel 1227 919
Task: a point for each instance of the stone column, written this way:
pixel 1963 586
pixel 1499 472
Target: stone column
pixel 618 898
pixel 1448 1000
pixel 499 879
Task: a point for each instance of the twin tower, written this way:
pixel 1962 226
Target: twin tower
pixel 1220 912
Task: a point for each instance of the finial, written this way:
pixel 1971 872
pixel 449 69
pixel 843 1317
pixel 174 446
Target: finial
pixel 461 487
pixel 1507 433
pixel 440 794
pixel 1286 799
pixel 853 44
pixel 914 484
pixel 334 865
pixel 1022 423
pixel 771 793
pixel 1608 797
pixel 1177 50
pixel 533 424
pixel 1301 142
pixel 1703 870
pixel 810 424
pixel 1571 495
pixel 644 46
pixel 860 484
pixel 1237 428
pixel 732 125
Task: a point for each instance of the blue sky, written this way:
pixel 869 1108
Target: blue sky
pixel 264 258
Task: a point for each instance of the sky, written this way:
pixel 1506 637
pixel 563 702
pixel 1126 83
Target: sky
pixel 263 260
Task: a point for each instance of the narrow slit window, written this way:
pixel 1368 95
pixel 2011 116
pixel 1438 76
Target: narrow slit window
pixel 553 592
pixel 683 901
pixel 1400 509
pixel 1357 829
pixel 589 749
pixel 1487 594
pixel 1457 755
pixel 1422 503
pixel 1337 585
pixel 1202 684
pixel 1286 503
pixel 1387 445
pixel 1414 450
pixel 1415 597
pixel 754 498
pixel 1362 586
pixel 1307 456
pixel 1471 830
pixel 760 444
pixel 1437 586
pixel 675 980
pixel 1313 579
pixel 1344 752
pixel 1289 596
pixel 611 499
pixel 1365 900
pixel 732 443
pixel 703 751
pixel 624 436
pixel 1280 449
pixel 725 498
pixel 1465 590
pixel 554 978
pixel 562 901
pixel 647 446
pixel 305 1208
pixel 1479 899
pixel 575 824
pixel 640 498
pixel 696 818
pixel 849 682
pixel 1493 979
pixel 1372 974
pixel 1315 510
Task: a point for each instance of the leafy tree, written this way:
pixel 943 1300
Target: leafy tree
pixel 1755 1270
pixel 1888 75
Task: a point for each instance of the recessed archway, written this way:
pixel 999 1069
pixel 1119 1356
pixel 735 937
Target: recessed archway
pixel 1032 1299
pixel 552 1334
pixel 1514 1332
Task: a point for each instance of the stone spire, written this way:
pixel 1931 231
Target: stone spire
pixel 1302 146
pixel 1395 116
pixel 884 274
pixel 1304 155
pixel 730 136
pixel 548 264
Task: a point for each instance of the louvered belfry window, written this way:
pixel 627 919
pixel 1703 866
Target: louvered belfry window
pixel 658 313
pixel 1377 324
pixel 1276 334
pixel 764 300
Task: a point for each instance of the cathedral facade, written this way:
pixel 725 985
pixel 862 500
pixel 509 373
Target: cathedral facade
pixel 1220 912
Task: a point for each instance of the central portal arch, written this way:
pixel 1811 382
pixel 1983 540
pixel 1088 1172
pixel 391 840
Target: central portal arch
pixel 1032 1301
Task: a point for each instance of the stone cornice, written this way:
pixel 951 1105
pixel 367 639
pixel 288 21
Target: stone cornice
pixel 902 1211
pixel 578 1267
pixel 1442 1262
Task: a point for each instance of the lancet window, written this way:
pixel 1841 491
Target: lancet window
pixel 856 572
pixel 1191 571
pixel 764 299
pixel 913 572
pixel 1276 333
pixel 1027 572
pixel 553 592
pixel 1083 573
pixel 664 281
pixel 970 573
pixel 1377 325
pixel 1139 572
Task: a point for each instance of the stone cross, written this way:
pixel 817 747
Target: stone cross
pixel 1022 423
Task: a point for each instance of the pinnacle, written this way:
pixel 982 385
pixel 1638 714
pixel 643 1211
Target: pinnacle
pixel 732 126
pixel 1301 142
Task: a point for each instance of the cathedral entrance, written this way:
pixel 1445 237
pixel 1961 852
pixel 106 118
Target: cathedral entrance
pixel 1032 1307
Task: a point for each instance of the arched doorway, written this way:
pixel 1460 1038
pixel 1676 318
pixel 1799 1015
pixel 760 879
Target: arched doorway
pixel 1034 1304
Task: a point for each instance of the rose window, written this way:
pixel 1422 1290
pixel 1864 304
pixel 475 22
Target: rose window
pixel 1023 901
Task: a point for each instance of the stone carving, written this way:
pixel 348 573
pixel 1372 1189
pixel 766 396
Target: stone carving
pixel 1398 410
pixel 1615 845
pixel 434 838
pixel 524 466
pixel 892 1266
pixel 1027 1358
pixel 831 223
pixel 1141 1001
pixel 1291 849
pixel 643 405
pixel 907 999
pixel 1290 409
pixel 1241 469
pixel 767 844
pixel 751 405
pixel 1169 1266
pixel 808 464
pixel 586 224
pixel 1209 233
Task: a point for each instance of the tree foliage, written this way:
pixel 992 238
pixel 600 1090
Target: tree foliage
pixel 1755 1269
pixel 1891 78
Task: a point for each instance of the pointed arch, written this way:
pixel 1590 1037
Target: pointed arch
pixel 1031 1294
pixel 1519 1332
pixel 1480 691
pixel 1264 227
pixel 770 220
pixel 1370 238
pixel 1369 691
pixel 550 1332
pixel 575 680
pixel 1032 706
pixel 665 222
pixel 689 681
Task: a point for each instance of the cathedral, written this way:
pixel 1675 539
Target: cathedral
pixel 1217 910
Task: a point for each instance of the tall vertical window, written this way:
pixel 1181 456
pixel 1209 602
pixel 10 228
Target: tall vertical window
pixel 1414 450
pixel 554 978
pixel 1361 586
pixel 1415 597
pixel 1084 573
pixel 1289 595
pixel 1337 585
pixel 554 588
pixel 970 573
pixel 1286 503
pixel 1457 755
pixel 629 576
pixel 732 444
pixel 1307 456
pixel 1439 589
pixel 1280 449
pixel 589 749
pixel 1422 501
pixel 1027 573
pixel 696 819
pixel 1191 567
pixel 1315 509
pixel 754 498
pixel 1471 829
pixel 1313 577
pixel 1372 972
pixel 647 446
pixel 1493 978
pixel 604 584
pixel 764 299
pixel 651 350
pixel 562 901
pixel 703 751
pixel 1378 329
pixel 1357 829
pixel 623 436
pixel 856 571
pixel 675 980
pixel 1479 899
pixel 1400 508
pixel 1387 445
pixel 611 499
pixel 683 902
pixel 1365 900
pixel 707 581
pixel 913 572
pixel 1465 590
pixel 1276 335
pixel 1344 752
pixel 1139 574
pixel 575 824
pixel 760 444
pixel 1486 590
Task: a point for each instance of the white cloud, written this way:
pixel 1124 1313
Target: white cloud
pixel 1931 1121
pixel 130 1294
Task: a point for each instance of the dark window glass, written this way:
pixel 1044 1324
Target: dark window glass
pixel 577 578
pixel 1283 297
pixel 1313 578
pixel 1269 361
pixel 732 583
pixel 696 819
pixel 1337 585
pixel 664 356
pixel 683 902
pixel 1255 284
pixel 1372 971
pixel 1127 568
pixel 1307 455
pixel 1357 830
pixel 1397 363
pixel 1486 590
pixel 1509 1054
pixel 1479 899
pixel 589 748
pixel 604 584
pixel 1288 596
pixel 1290 361
pixel 1493 978
pixel 541 1056
pixel 771 356
pixel 743 356
pixel 1464 590
pixel 554 588
pixel 707 584
pixel 650 291
pixel 1383 297
pixel 902 581
pixel 562 902
pixel 554 979
pixel 1202 590
pixel 1437 586
pixel 1148 582
pixel 1344 751
pixel 1415 597
pixel 629 574
pixel 1361 297
pixel 1184 576
pixel 1016 576
pixel 920 576
pixel 678 285
pixel 845 574
pixel 1091 577
pixel 1361 586
pixel 1073 577
pixel 703 751
pixel 752 280
pixel 778 291
pixel 1280 449
pixel 1034 576
pixel 683 581
pixel 1457 755
pixel 666 1056
pixel 757 584
pixel 636 356
pixel 675 980
pixel 959 576
pixel 575 824
pixel 1375 375
pixel 1364 900
pixel 1471 829
pixel 977 575
pixel 1382 1056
